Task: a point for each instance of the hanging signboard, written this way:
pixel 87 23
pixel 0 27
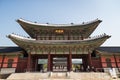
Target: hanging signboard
pixel 42 61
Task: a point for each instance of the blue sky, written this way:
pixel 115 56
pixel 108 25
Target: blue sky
pixel 60 12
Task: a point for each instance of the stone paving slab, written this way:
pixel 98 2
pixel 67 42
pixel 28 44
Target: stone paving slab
pixel 55 79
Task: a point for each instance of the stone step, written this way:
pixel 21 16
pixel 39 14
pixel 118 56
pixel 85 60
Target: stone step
pixel 60 76
pixel 58 79
pixel 90 76
pixel 28 76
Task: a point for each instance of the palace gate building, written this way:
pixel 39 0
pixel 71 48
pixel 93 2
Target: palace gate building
pixel 55 47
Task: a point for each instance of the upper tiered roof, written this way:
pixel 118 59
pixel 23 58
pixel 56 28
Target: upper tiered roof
pixel 33 28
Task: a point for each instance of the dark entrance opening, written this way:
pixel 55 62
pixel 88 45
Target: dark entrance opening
pixel 77 65
pixel 42 65
pixel 59 64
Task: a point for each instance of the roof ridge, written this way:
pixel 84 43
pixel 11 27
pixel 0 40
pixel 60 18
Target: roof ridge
pixel 45 24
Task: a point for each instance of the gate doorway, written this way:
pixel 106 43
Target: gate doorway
pixel 42 65
pixel 59 64
pixel 77 65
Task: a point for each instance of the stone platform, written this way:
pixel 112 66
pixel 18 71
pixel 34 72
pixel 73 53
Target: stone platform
pixel 60 76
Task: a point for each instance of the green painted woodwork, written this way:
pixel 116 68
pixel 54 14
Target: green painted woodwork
pixel 59 46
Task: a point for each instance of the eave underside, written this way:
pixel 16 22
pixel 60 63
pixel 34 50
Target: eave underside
pixel 40 46
pixel 107 53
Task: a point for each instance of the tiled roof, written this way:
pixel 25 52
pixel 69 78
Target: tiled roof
pixel 85 29
pixel 56 25
pixel 110 49
pixel 10 49
pixel 27 43
pixel 16 49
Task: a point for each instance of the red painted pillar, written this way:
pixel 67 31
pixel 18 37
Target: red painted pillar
pixel 29 62
pixel 116 62
pixel 70 62
pixel 100 58
pixel 85 62
pixel 49 62
pixel 36 63
pixel 89 60
pixel 2 62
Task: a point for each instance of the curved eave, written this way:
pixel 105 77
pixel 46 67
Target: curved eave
pixel 56 25
pixel 107 53
pixel 86 28
pixel 25 43
pixel 12 53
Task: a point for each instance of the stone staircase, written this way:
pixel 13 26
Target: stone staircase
pixel 60 76
pixel 39 76
pixel 90 76
pixel 28 76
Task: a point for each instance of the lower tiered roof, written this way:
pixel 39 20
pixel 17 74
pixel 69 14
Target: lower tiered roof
pixel 40 46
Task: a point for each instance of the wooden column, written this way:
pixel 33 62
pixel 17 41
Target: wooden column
pixel 29 63
pixel 116 62
pixel 68 34
pixel 70 62
pixel 85 62
pixel 101 63
pixel 89 60
pixel 2 62
pixel 82 37
pixel 36 64
pixel 49 62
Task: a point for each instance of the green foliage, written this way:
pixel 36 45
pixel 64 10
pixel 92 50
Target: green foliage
pixel 44 66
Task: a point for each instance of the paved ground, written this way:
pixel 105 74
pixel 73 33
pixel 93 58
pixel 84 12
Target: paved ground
pixel 53 79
